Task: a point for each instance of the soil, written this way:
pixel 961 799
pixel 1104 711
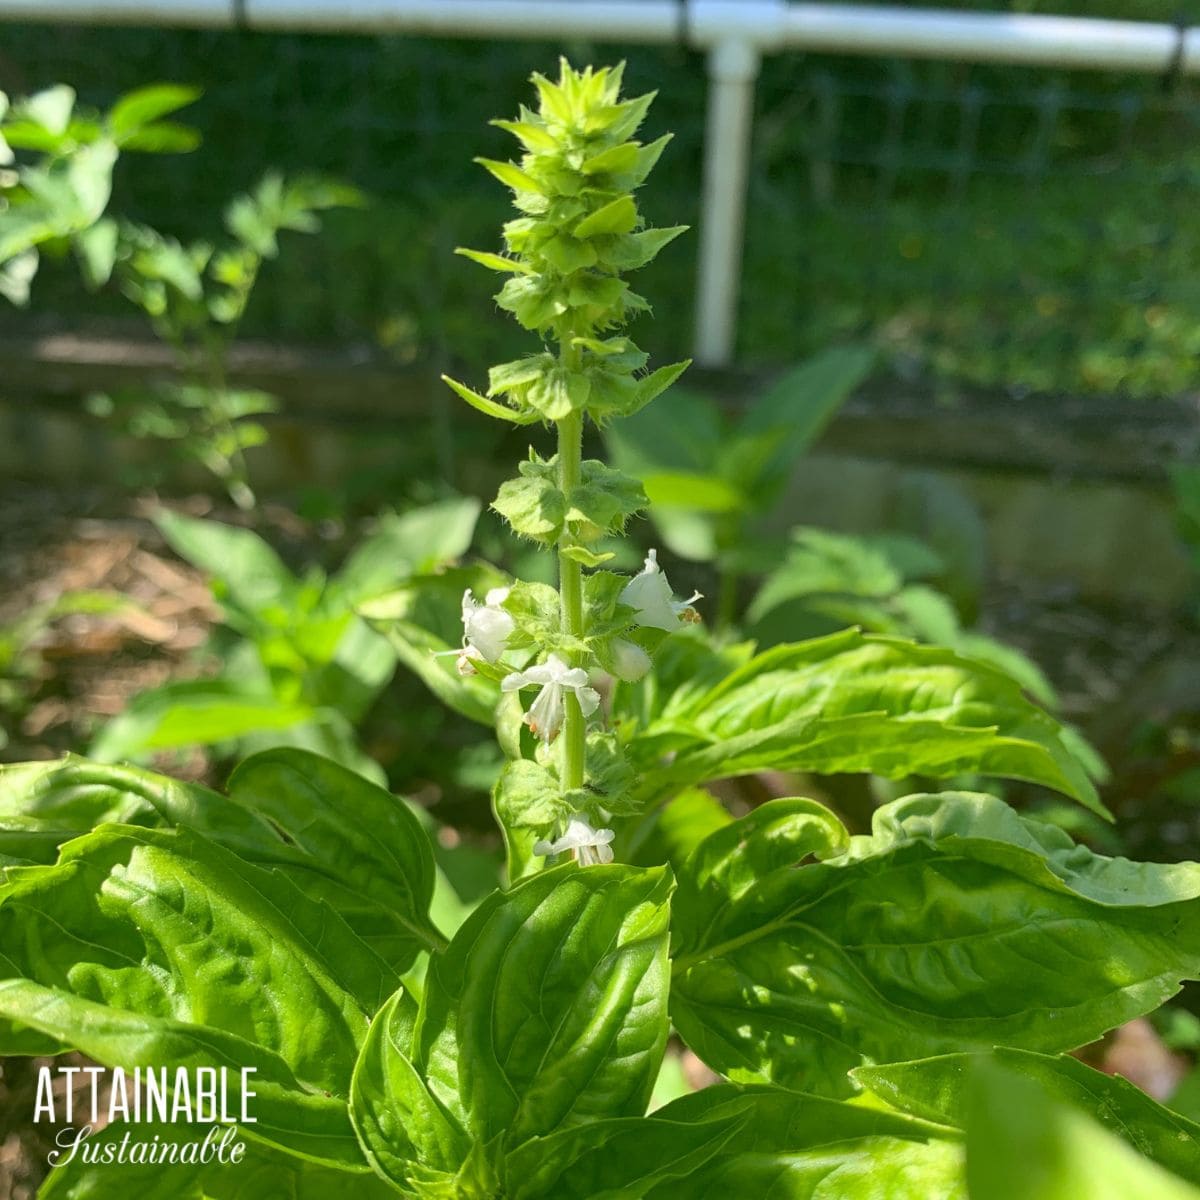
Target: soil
pixel 82 668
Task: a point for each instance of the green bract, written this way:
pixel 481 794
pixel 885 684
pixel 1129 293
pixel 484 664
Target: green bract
pixel 581 230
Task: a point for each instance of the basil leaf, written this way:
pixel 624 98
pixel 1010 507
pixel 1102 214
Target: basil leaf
pixel 617 1159
pixel 365 843
pixel 549 1007
pixel 938 1089
pixel 1024 1145
pixel 398 1122
pixel 955 925
pixel 797 1147
pixel 338 837
pixel 855 702
pixel 155 947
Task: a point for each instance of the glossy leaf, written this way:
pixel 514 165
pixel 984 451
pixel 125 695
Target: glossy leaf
pixel 261 1173
pixel 955 925
pixel 155 947
pixel 1024 1145
pixel 855 702
pixel 549 1008
pixel 362 839
pixel 735 858
pixel 939 1089
pixel 398 1122
pixel 791 1146
pixel 618 1159
pixel 336 836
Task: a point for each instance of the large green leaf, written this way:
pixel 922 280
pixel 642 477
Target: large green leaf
pixel 245 567
pixel 617 1159
pixel 549 1007
pixel 362 836
pixel 939 1089
pixel 51 796
pixel 149 947
pixel 955 925
pixel 546 1014
pixel 1025 1144
pixel 201 712
pixel 856 702
pixel 418 542
pixel 337 837
pixel 261 1174
pixel 398 1121
pixel 804 400
pixel 797 1147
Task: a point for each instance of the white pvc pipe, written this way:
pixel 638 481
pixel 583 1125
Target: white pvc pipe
pixel 617 20
pixel 770 25
pixel 988 37
pixel 736 33
pixel 189 13
pixel 732 70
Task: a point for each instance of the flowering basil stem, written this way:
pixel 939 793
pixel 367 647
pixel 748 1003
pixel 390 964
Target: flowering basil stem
pixel 578 232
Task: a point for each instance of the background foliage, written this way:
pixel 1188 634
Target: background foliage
pixel 997 225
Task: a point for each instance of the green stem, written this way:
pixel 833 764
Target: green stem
pixel 570 585
pixel 236 477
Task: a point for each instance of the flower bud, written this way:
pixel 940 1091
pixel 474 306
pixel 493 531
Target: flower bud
pixel 629 661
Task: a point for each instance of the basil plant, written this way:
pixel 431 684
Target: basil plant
pixel 889 1012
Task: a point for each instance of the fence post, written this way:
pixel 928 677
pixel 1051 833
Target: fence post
pixel 732 70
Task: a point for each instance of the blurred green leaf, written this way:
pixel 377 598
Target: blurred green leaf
pixel 701 493
pixel 1022 1145
pixel 139 108
pixel 199 713
pixel 940 1090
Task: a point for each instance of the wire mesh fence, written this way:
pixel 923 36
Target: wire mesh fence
pixel 997 226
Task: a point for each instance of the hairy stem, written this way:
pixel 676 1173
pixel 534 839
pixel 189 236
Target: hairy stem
pixel 570 585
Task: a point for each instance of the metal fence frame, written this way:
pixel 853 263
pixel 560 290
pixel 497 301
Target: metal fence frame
pixel 735 34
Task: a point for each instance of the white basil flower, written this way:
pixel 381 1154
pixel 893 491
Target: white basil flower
pixel 630 661
pixel 545 715
pixel 486 630
pixel 650 593
pixel 487 626
pixel 590 846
